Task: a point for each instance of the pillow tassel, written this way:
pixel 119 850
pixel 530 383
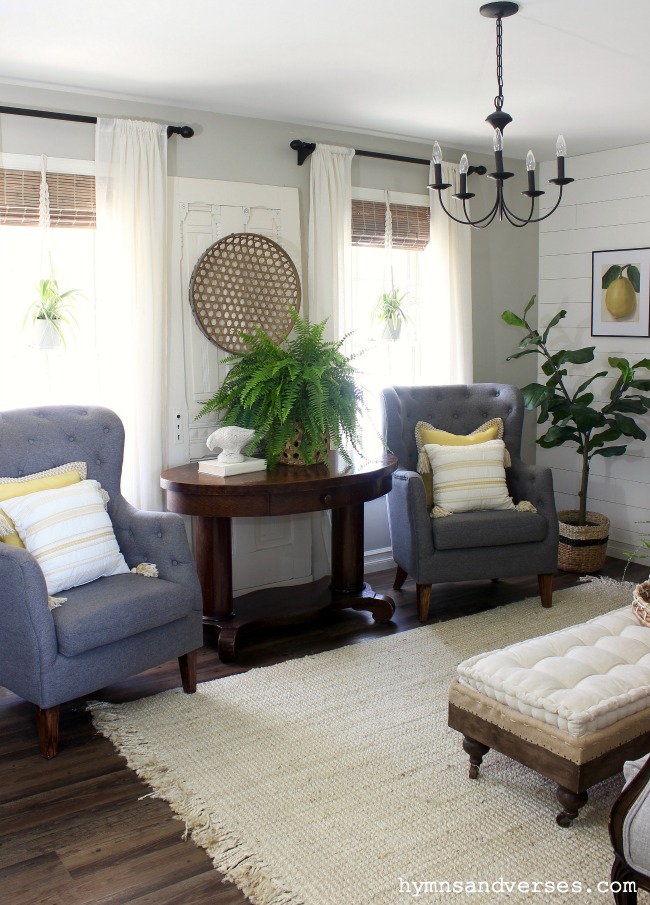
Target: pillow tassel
pixel 6 527
pixel 148 569
pixel 440 512
pixel 424 463
pixel 525 506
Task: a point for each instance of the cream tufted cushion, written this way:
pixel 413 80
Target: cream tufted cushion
pixel 580 679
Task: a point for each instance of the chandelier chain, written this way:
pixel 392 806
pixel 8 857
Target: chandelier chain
pixel 498 100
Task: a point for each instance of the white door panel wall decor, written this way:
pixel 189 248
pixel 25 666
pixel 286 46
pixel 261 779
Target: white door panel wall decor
pixel 201 212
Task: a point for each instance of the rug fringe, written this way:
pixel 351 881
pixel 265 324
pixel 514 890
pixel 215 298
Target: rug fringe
pixel 607 582
pixel 228 854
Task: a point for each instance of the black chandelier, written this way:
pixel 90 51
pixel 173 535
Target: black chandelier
pixel 498 120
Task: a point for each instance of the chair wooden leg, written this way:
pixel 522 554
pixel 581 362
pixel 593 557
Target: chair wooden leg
pixel 424 599
pixel 545 583
pixel 187 666
pixel 400 577
pixel 47 721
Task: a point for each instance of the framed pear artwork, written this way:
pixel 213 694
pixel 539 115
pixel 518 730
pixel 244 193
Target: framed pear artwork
pixel 620 301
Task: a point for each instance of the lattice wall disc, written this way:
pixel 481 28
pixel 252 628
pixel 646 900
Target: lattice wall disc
pixel 241 282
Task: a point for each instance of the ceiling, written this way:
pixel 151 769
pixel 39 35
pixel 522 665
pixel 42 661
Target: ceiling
pixel 420 69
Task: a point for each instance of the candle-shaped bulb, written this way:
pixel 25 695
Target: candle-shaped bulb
pixel 530 161
pixel 560 146
pixel 464 164
pixel 497 144
pixel 437 153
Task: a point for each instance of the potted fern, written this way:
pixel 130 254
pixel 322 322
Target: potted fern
pixel 297 395
pixel 596 429
pixel 51 311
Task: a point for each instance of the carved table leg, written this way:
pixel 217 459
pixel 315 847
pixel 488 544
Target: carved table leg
pixel 570 802
pixel 476 751
pixel 213 546
pixel 348 587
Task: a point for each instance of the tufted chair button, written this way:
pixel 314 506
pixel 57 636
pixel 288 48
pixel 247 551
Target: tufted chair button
pixel 98 461
pixel 71 438
pixel 106 430
pixel 20 471
pixel 497 392
pixel 31 441
pixel 159 534
pixel 174 562
pixel 455 416
pixel 130 532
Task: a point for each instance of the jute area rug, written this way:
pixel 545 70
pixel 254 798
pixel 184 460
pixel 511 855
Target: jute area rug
pixel 334 780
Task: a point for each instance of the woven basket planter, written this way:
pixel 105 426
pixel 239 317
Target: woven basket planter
pixel 583 548
pixel 290 454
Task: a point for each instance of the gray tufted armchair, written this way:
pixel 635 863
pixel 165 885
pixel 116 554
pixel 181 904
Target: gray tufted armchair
pixel 110 628
pixel 467 545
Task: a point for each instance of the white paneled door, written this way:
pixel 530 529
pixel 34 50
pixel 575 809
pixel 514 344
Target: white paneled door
pixel 202 211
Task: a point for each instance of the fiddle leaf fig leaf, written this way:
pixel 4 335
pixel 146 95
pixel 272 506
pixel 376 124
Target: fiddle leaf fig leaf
pixel 529 305
pixel 612 273
pixel 629 427
pixel 513 319
pixel 552 323
pixel 557 436
pixel 534 394
pixel 611 451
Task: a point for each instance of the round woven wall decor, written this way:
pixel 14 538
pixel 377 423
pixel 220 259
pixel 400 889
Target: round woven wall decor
pixel 241 282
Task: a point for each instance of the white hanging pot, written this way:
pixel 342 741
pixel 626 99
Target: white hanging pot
pixel 46 336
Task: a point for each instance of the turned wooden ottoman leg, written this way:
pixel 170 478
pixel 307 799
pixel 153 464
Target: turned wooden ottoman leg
pixel 476 751
pixel 570 802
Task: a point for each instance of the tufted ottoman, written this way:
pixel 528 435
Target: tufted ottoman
pixel 574 705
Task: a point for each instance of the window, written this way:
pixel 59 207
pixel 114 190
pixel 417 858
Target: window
pixel 28 253
pixel 419 353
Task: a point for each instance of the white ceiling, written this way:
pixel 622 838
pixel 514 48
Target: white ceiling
pixel 421 69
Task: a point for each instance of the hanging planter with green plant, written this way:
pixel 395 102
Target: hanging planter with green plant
pixel 296 395
pixel 595 429
pixel 390 312
pixel 50 312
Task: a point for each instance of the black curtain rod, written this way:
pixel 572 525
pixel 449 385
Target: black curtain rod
pixel 305 148
pixel 184 131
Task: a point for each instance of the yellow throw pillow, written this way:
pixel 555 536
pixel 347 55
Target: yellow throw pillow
pixel 52 479
pixel 469 477
pixel 426 433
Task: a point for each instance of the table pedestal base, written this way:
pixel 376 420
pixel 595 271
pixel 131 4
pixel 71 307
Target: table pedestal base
pixel 291 605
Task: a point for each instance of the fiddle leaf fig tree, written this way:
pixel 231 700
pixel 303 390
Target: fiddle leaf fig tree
pixel 596 428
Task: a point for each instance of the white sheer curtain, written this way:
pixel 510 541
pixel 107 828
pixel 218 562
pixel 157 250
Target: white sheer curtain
pixel 330 206
pixel 450 252
pixel 330 213
pixel 131 176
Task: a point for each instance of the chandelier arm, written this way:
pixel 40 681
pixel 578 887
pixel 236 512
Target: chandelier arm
pixel 531 218
pixel 468 221
pixel 511 217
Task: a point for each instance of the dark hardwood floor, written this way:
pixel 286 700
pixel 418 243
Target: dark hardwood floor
pixel 74 830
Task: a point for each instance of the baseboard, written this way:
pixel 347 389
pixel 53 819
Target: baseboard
pixel 619 550
pixel 378 560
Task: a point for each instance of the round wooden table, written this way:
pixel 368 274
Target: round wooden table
pixel 286 490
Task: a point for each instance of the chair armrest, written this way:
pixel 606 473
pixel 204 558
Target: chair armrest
pixel 535 484
pixel 27 633
pixel 409 522
pixel 159 538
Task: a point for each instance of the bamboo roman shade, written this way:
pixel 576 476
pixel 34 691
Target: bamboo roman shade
pixel 72 199
pixel 410 224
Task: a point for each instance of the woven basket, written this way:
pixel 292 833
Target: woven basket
pixel 583 548
pixel 290 454
pixel 641 602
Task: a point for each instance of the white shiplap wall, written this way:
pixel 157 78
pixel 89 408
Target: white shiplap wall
pixel 607 207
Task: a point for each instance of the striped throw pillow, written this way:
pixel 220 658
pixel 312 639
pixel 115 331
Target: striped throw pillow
pixel 69 533
pixel 467 478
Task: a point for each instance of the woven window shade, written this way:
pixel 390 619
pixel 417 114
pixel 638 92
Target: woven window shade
pixel 72 199
pixel 410 224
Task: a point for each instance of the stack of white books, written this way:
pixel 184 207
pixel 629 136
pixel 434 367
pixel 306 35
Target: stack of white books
pixel 224 469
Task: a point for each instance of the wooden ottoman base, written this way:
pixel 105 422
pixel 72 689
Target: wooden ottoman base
pixel 574 764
